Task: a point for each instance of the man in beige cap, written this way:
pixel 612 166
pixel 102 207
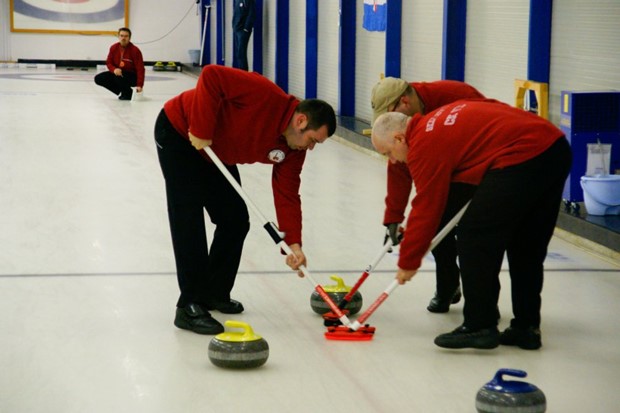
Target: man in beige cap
pixel 397 95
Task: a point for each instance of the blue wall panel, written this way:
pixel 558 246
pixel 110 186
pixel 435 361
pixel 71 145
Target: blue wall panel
pixel 393 38
pixel 347 58
pixel 257 45
pixel 454 35
pixel 282 27
pixel 312 47
pixel 539 45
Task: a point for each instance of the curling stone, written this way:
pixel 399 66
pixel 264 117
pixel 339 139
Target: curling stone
pixel 510 396
pixel 238 350
pixel 159 67
pixel 336 293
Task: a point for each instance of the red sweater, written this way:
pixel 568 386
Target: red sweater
pixel 460 142
pixel 131 57
pixel 245 115
pixel 433 95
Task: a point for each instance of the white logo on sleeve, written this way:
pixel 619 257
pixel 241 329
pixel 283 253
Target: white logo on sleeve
pixel 450 118
pixel 276 155
pixel 454 113
pixel 430 124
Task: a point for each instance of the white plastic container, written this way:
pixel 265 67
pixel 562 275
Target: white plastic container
pixel 194 56
pixel 601 194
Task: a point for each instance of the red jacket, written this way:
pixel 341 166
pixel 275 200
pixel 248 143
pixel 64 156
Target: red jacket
pixel 131 57
pixel 433 95
pixel 245 115
pixel 460 142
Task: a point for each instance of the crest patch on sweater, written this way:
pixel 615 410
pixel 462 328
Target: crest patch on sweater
pixel 276 155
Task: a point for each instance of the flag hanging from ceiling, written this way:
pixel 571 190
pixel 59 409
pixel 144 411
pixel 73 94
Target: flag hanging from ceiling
pixel 375 15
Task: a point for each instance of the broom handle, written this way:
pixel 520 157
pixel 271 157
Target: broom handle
pixel 276 235
pixel 347 298
pixel 436 240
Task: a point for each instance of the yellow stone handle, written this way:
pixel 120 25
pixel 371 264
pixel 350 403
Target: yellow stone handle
pixel 339 282
pixel 247 329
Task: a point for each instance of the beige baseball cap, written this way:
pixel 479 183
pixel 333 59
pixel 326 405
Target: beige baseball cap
pixel 384 93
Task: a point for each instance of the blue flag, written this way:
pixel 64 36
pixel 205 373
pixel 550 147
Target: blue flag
pixel 375 15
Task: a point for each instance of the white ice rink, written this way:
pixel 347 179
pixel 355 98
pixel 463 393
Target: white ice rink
pixel 88 288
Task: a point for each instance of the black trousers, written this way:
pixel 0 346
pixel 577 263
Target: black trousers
pixel 117 84
pixel 193 185
pixel 513 211
pixel 241 38
pixel 447 271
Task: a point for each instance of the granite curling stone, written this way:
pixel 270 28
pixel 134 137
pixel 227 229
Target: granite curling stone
pixel 238 350
pixel 510 396
pixel 336 293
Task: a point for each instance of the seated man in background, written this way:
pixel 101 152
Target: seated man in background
pixel 396 95
pixel 125 67
pixel 518 163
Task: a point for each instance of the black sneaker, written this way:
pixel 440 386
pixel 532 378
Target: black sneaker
pixel 464 337
pixel 126 95
pixel 442 305
pixel 225 306
pixel 525 338
pixel 193 318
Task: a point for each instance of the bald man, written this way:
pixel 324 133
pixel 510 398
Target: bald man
pixel 518 163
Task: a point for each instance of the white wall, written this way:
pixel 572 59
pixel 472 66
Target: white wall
pixel 422 37
pixel 369 64
pixel 585 49
pixel 269 39
pixel 328 53
pixel 149 20
pixel 228 34
pixel 496 46
pixel 297 49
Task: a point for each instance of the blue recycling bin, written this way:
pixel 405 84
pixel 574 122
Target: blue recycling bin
pixel 589 117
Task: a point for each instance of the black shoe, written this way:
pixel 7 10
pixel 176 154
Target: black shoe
pixel 463 337
pixel 226 306
pixel 126 95
pixel 525 338
pixel 193 318
pixel 442 305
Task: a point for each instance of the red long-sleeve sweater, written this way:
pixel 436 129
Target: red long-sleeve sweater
pixel 245 115
pixel 433 95
pixel 460 142
pixel 131 57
